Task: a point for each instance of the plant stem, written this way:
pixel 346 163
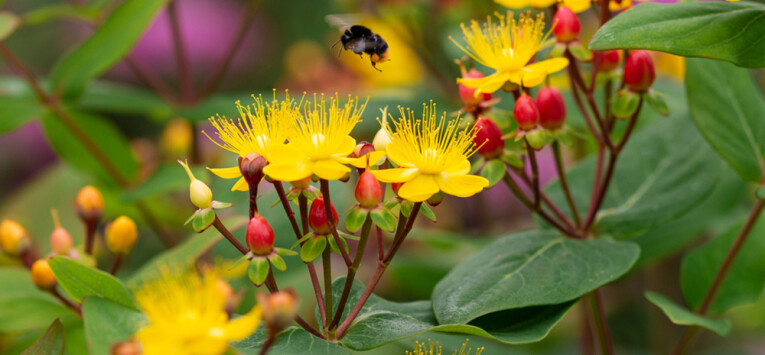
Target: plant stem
pixel 534 174
pixel 379 271
pixel 181 56
pixel 508 179
pixel 691 332
pixel 116 265
pixel 564 182
pixel 272 287
pixel 332 223
pixel 230 237
pixel 90 236
pixel 71 124
pixel 253 200
pixel 151 79
pixel 267 344
pixel 327 265
pixel 352 270
pixel 547 201
pixel 287 208
pixel 601 324
pixel 74 306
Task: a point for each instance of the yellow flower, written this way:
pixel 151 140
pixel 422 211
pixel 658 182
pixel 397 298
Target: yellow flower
pixel 259 130
pixel 508 47
pixel 434 349
pixel 575 5
pixel 320 142
pixel 187 315
pixel 432 155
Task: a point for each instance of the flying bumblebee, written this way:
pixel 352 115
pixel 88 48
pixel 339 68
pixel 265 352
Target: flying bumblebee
pixel 360 40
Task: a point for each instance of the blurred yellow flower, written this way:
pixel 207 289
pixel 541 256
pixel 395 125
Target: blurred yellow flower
pixel 432 155
pixel 434 349
pixel 320 142
pixel 507 48
pixel 259 130
pixel 575 5
pixel 187 315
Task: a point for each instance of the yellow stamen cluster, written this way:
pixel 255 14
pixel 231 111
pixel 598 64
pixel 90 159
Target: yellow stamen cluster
pixel 434 349
pixel 322 127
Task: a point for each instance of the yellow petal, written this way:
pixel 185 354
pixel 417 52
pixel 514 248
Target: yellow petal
pixel 614 6
pixel 329 169
pixel 285 153
pixel 419 189
pixel 242 327
pixel 577 5
pixel 241 185
pixel 513 4
pixel 534 74
pixel 395 175
pixel 461 167
pixel 227 173
pixel 461 185
pixel 487 84
pixel 345 147
pixel 370 159
pixel 398 154
pixel 539 4
pixel 289 171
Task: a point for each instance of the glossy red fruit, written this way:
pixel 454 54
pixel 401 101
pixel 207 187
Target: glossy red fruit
pixel 552 108
pixel 526 113
pixel 567 25
pixel 317 216
pixel 488 138
pixel 368 190
pixel 467 95
pixel 639 71
pixel 396 186
pixel 260 236
pixel 608 60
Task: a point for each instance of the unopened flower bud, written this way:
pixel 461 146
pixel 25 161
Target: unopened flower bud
pixel 363 149
pixel 552 108
pixel 251 167
pixel 608 60
pixel 382 138
pixel 525 113
pixel 177 138
pixel 279 308
pixel 436 199
pixel 128 347
pixel 468 95
pixel 232 299
pixel 14 239
pixel 121 235
pixel 368 190
pixel 639 71
pixel 60 240
pixel 200 193
pixel 42 275
pixel 260 236
pixel 89 204
pixel 488 138
pixel 301 184
pixel 567 25
pixel 317 217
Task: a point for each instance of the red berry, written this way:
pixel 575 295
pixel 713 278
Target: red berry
pixel 567 25
pixel 317 217
pixel 608 60
pixel 525 113
pixel 488 138
pixel 260 236
pixel 60 241
pixel 638 71
pixel 368 190
pixel 467 95
pixel 552 108
pixel 396 186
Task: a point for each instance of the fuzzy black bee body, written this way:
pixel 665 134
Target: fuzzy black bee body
pixel 361 40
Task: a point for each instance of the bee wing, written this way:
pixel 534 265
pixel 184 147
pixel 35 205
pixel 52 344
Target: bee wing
pixel 341 21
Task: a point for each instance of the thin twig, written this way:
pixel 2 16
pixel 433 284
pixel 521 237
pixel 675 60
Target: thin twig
pixel 230 237
pixel 181 56
pixel 534 174
pixel 508 179
pixel 564 183
pixel 601 324
pixel 352 271
pixel 116 265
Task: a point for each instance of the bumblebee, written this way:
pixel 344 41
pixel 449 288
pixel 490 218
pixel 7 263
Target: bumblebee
pixel 360 40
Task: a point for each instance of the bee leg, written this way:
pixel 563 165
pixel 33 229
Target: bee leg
pixel 375 66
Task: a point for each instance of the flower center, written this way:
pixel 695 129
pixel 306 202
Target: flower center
pixel 262 141
pixel 430 159
pixel 317 139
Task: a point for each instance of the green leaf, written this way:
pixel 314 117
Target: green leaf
pixel 81 281
pixel 333 244
pixel 184 254
pixel 293 341
pixel 42 14
pixel 427 212
pixel 655 101
pixel 203 220
pixel 760 193
pixel 17 111
pixel 477 165
pixel 729 31
pixel 580 52
pixel 513 159
pixel 727 107
pixel 494 171
pixel 301 240
pixel 406 208
pixel 278 262
pixel 258 270
pixel 112 98
pixel 106 47
pixel 285 252
pixel 679 315
pixel 8 24
pixel 50 343
pixel 165 179
pixel 355 219
pixel 25 307
pixel 625 103
pixel 381 321
pixel 383 218
pixel 745 280
pixel 107 323
pixel 665 170
pixel 105 135
pixel 529 269
pixel 313 248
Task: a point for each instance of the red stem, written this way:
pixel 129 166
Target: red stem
pixel 181 56
pixel 332 223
